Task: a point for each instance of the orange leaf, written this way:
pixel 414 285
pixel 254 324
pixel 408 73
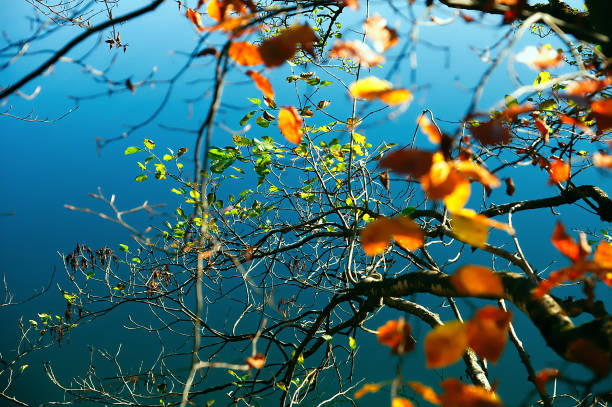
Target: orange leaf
pixel 473 171
pixel 262 83
pixel 401 402
pixel 603 255
pixel 539 59
pixel 543 376
pixel 196 18
pixel 367 388
pixel 374 88
pixel 257 362
pixel 379 33
pixel 377 235
pixel 444 182
pixel 290 124
pixel 445 344
pixel 491 133
pixel 357 50
pixel 587 86
pixel 555 278
pixel 566 245
pixel 542 128
pixel 219 9
pixel 587 353
pixel 559 171
pixel 415 163
pixel 602 160
pixel 244 53
pixel 472 228
pixel 602 111
pixel 457 394
pixel 476 281
pixel 277 50
pixel 396 335
pixel 431 130
pixel 487 332
pixel 425 391
pixel 510 113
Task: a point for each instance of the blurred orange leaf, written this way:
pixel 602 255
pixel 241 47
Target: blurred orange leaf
pixel 244 53
pixel 602 160
pixel 290 124
pixel 487 332
pixel 379 33
pixel 374 88
pixel 430 129
pixel 196 18
pixel 257 362
pixel 457 394
pixel 357 50
pixel 477 280
pixel 262 83
pixel 603 255
pixel 367 388
pixel 559 171
pixel 425 391
pixel 590 355
pixel 445 344
pixel 396 335
pixel 602 111
pixel 587 86
pixel 544 376
pixel 566 245
pixel 473 171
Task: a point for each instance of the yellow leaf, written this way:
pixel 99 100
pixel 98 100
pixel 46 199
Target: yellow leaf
pixel 401 402
pixel 367 388
pixel 290 124
pixel 472 228
pixel 374 88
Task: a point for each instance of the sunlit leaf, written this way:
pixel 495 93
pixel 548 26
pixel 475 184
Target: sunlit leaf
pixel 487 332
pixel 262 83
pixel 401 402
pixel 603 255
pixel 290 124
pixel 430 129
pixel 245 53
pixel 196 18
pixel 477 280
pixel 602 111
pixel 566 245
pixel 372 88
pixel 445 344
pixel 559 171
pixel 356 50
pixel 473 171
pixel 378 234
pixel 257 362
pixel 473 228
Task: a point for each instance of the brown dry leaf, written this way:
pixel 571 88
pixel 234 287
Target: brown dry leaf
pixel 262 83
pixel 276 50
pixel 257 362
pixel 445 344
pixel 477 280
pixel 379 33
pixel 290 124
pixel 491 133
pixel 357 50
pixel 415 163
pixel 244 53
pixel 487 332
pixel 510 188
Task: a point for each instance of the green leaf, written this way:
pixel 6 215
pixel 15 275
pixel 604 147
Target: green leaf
pixel 140 178
pixel 123 247
pixel 262 122
pixel 22 368
pixel 150 144
pixel 255 101
pixel 408 211
pixel 352 343
pixel 313 81
pixel 242 141
pixel 326 83
pixel 247 117
pixel 90 275
pixel 131 150
pixel 510 101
